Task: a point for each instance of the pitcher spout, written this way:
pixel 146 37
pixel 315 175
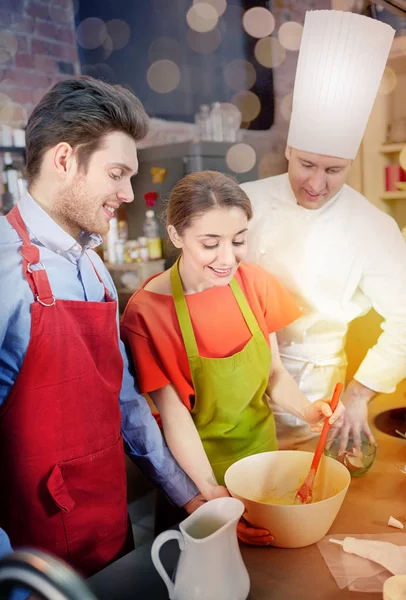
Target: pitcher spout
pixel 212 518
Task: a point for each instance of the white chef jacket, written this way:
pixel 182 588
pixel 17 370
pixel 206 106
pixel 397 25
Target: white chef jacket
pixel 338 261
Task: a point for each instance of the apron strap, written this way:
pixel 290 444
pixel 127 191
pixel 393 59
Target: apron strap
pixel 106 292
pixel 37 278
pixel 182 312
pixel 242 302
pixel 184 317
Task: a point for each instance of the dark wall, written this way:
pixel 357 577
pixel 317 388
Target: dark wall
pixel 202 75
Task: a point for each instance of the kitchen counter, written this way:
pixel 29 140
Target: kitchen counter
pixel 289 574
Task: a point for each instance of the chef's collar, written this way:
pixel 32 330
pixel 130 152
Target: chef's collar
pixel 48 233
pixel 315 212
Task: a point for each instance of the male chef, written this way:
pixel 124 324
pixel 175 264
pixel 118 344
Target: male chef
pixel 336 252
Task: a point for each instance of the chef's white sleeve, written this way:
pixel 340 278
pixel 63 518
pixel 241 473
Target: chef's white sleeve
pixel 384 284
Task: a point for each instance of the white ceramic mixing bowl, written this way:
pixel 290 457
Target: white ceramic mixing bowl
pixel 279 474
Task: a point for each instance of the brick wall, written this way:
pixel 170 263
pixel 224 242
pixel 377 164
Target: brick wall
pixel 37 49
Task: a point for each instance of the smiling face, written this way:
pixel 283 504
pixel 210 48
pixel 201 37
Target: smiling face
pixel 88 198
pixel 315 178
pixel 212 247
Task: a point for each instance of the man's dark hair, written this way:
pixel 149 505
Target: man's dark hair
pixel 81 112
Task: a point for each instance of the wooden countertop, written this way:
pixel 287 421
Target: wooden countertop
pixel 290 574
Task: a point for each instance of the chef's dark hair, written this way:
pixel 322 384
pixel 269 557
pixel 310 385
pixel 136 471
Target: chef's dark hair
pixel 199 192
pixel 81 112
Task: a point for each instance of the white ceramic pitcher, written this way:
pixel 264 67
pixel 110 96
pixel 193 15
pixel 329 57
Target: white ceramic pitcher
pixel 210 565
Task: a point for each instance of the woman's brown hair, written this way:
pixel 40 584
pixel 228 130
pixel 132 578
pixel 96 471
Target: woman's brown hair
pixel 199 192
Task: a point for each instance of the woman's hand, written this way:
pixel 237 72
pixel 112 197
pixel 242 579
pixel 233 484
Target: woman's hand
pixel 254 536
pixel 246 533
pixel 316 412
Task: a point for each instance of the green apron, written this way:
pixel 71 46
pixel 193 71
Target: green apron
pixel 231 412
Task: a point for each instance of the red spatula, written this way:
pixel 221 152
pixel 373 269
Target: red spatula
pixel 305 492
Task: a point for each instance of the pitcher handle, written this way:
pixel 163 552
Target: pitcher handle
pixel 162 538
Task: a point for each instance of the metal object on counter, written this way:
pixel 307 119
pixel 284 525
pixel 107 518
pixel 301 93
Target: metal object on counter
pixel 42 574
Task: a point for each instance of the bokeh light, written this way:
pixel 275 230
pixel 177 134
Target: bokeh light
pixel 269 52
pixel 219 5
pixel 120 33
pixel 388 82
pixel 163 76
pixel 165 48
pixel 231 116
pixel 202 17
pixel 402 158
pixel 241 158
pixel 240 75
pixel 8 45
pixel 290 35
pixel 91 33
pixel 108 47
pixel 204 43
pixel 7 108
pixel 248 104
pixel 286 106
pixel 258 22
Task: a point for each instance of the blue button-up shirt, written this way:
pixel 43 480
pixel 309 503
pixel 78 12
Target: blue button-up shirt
pixel 5 549
pixel 72 277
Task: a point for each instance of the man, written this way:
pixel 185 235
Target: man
pixel 63 371
pixel 336 252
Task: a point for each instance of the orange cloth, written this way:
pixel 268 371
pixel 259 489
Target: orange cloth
pixel 150 329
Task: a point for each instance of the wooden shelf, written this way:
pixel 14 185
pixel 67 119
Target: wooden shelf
pixel 392 148
pixel 401 195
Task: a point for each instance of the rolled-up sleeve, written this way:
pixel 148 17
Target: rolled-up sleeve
pixel 145 444
pixel 143 441
pixel 384 283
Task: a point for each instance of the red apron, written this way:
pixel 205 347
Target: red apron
pixel 62 470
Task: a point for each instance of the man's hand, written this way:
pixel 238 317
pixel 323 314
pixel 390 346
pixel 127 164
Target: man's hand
pixel 246 532
pixel 194 503
pixel 355 421
pixel 217 491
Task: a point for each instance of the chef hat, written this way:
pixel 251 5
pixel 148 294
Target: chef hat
pixel 341 61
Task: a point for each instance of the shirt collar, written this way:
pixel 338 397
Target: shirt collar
pixel 46 231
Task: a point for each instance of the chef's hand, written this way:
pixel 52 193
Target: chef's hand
pixel 355 421
pixel 246 532
pixel 316 412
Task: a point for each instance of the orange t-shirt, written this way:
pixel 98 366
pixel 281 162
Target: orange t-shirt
pixel 150 328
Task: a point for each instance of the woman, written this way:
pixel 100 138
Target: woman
pixel 203 332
